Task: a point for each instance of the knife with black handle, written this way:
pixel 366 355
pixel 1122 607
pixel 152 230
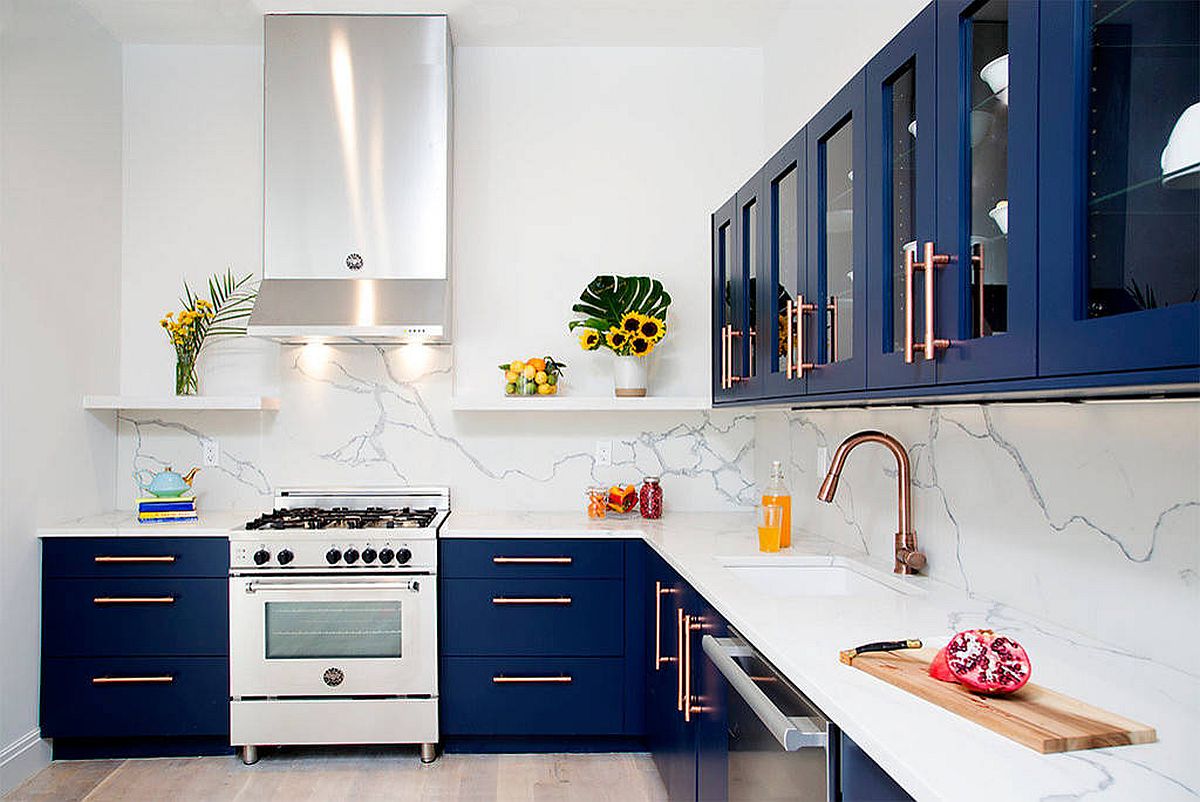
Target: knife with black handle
pixel 847 655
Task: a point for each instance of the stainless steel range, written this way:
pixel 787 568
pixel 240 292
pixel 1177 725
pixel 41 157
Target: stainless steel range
pixel 333 620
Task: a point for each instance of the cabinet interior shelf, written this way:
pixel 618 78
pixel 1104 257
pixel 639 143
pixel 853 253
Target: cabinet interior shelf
pixel 570 403
pixel 248 403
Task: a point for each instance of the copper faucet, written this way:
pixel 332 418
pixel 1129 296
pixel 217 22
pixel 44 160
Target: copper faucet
pixel 908 559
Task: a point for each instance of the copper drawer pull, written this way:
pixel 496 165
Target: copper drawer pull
pixel 165 678
pixel 133 600
pixel 679 621
pixel 519 680
pixel 691 623
pixel 167 558
pixel 532 560
pixel 531 600
pixel 659 592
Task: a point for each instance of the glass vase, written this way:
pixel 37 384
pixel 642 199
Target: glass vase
pixel 185 375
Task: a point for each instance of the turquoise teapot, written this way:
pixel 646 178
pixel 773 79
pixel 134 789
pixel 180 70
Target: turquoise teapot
pixel 165 484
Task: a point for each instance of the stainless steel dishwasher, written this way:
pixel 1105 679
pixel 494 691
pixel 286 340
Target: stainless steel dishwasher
pixel 780 747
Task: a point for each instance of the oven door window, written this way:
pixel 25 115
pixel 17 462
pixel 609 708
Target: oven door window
pixel 326 629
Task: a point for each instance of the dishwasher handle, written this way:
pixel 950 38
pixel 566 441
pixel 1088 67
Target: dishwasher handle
pixel 792 732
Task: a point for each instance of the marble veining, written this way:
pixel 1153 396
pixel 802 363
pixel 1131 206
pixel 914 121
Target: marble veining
pixel 373 415
pixel 1087 515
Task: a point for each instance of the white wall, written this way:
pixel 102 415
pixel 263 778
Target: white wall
pixel 60 226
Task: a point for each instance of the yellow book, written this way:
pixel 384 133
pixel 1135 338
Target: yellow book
pixel 154 516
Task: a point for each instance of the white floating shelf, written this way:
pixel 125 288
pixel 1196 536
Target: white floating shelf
pixel 150 403
pixel 578 403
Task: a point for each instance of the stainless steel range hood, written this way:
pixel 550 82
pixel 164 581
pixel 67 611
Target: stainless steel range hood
pixel 356 226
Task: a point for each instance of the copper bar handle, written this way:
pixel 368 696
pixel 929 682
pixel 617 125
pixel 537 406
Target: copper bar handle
pixel 789 328
pixel 532 560
pixel 734 378
pixel 932 260
pixel 724 358
pixel 166 558
pixel 531 600
pixel 133 600
pixel 753 336
pixel 802 309
pixel 690 624
pixel 832 310
pixel 909 267
pixel 659 592
pixel 679 620
pixel 163 679
pixel 977 268
pixel 499 680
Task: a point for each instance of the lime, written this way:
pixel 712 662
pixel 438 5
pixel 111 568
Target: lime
pixel 510 389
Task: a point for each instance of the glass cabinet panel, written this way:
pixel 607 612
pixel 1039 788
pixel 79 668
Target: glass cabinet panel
pixel 987 129
pixel 305 630
pixel 1143 177
pixel 746 336
pixel 785 256
pixel 901 132
pixel 837 245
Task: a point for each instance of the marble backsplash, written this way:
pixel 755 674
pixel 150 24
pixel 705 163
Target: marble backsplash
pixel 363 415
pixel 1085 515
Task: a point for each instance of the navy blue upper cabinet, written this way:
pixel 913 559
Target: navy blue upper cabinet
pixel 781 282
pixel 987 192
pixel 736 229
pixel 1120 217
pixel 837 242
pixel 901 196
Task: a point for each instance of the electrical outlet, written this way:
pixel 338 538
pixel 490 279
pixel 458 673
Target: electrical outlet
pixel 211 452
pixel 604 452
pixel 822 460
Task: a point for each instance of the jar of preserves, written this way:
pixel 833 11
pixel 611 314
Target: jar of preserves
pixel 597 502
pixel 650 498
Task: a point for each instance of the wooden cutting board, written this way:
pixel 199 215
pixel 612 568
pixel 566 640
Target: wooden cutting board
pixel 1042 719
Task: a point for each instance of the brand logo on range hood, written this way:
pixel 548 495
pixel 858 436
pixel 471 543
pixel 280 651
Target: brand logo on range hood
pixel 333 677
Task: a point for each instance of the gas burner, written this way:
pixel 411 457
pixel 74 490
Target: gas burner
pixel 345 518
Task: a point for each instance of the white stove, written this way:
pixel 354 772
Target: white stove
pixel 333 619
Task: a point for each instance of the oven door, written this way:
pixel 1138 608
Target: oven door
pixel 313 636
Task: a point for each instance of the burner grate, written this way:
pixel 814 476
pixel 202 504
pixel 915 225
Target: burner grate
pixel 345 518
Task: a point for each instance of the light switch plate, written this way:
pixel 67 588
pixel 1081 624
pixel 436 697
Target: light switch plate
pixel 211 452
pixel 604 449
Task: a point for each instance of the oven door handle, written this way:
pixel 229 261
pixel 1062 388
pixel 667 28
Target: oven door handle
pixel 792 732
pixel 257 586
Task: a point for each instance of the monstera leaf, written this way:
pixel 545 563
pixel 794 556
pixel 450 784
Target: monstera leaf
pixel 607 298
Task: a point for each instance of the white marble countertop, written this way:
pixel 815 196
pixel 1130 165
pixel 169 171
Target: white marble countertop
pixel 933 753
pixel 124 523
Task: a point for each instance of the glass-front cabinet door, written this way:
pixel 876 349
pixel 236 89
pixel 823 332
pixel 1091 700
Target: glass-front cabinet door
pixel 786 324
pixel 985 254
pixel 1120 217
pixel 901 198
pixel 737 239
pixel 837 241
pixel 724 317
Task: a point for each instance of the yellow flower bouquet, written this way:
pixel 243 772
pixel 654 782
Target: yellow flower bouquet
pixel 224 312
pixel 625 314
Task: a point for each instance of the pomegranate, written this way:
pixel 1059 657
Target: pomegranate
pixel 940 669
pixel 986 662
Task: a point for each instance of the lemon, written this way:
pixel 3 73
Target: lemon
pixel 516 366
pixel 544 389
pixel 510 377
pixel 540 378
pixel 553 389
pixel 529 372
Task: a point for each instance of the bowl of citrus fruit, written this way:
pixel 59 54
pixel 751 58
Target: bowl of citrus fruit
pixel 534 376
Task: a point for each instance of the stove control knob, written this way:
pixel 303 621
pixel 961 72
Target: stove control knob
pixel 403 556
pixel 386 555
pixel 351 556
pixel 285 557
pixel 333 556
pixel 369 555
pixel 261 556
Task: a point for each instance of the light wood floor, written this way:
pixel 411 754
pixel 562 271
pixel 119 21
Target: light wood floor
pixel 358 775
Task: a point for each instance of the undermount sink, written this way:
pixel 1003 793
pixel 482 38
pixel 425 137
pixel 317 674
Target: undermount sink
pixel 813 577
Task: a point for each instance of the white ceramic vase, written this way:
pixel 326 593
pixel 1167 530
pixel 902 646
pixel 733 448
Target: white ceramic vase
pixel 238 366
pixel 629 376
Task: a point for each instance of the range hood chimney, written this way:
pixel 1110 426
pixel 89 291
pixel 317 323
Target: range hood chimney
pixel 356 223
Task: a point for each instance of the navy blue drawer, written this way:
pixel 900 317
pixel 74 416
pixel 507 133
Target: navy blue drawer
pixel 537 699
pixel 135 556
pixel 564 617
pixel 132 617
pixel 533 558
pixel 158 697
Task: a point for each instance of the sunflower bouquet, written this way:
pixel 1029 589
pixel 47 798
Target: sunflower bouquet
pixel 625 314
pixel 224 312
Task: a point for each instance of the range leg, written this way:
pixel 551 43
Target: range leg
pixel 428 753
pixel 249 754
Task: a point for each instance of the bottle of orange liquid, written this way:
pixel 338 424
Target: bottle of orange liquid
pixel 777 493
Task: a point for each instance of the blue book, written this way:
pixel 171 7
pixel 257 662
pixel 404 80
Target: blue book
pixel 167 506
pixel 171 520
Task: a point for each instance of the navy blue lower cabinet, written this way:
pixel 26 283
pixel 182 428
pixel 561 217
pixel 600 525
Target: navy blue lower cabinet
pixel 669 739
pixel 709 713
pixel 560 617
pixel 144 696
pixel 532 558
pixel 532 696
pixel 147 557
pixel 860 779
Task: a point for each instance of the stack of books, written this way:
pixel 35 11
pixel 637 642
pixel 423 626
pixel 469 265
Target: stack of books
pixel 165 510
